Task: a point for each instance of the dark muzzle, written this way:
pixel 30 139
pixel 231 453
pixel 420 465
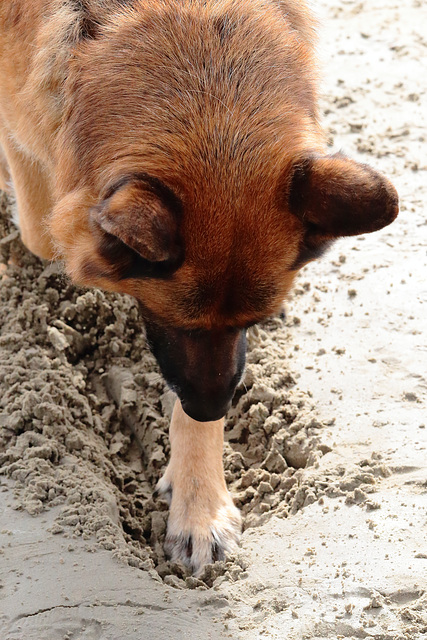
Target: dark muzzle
pixel 202 367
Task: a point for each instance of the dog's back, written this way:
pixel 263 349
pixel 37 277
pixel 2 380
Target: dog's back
pixel 38 38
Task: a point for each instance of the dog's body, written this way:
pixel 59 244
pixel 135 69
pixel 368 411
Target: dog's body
pixel 170 149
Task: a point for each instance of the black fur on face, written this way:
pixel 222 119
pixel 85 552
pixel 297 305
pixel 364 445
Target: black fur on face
pixel 202 366
pixel 127 263
pixel 312 247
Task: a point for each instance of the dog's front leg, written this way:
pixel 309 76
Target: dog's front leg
pixel 203 522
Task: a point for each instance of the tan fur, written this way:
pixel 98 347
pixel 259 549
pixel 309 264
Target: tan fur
pixel 5 179
pixel 201 508
pixel 31 186
pixel 102 101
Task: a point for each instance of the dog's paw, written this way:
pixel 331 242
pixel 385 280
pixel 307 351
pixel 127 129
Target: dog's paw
pixel 203 527
pixel 202 540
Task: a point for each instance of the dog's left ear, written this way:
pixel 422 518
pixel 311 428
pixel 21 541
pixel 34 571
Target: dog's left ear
pixel 336 196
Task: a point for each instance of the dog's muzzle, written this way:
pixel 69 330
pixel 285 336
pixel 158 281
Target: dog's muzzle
pixel 203 367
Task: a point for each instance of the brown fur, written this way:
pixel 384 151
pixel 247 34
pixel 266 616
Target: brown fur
pixel 171 150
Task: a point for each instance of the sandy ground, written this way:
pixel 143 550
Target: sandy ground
pixel 326 443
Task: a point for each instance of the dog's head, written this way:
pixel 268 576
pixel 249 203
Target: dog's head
pixel 192 175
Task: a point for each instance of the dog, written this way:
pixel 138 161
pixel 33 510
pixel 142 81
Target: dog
pixel 171 150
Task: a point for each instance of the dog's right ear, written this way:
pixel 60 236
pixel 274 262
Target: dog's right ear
pixel 137 228
pixel 335 196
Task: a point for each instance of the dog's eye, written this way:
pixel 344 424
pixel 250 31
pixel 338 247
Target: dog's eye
pixel 142 268
pixel 125 263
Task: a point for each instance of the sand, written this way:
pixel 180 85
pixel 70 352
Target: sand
pixel 325 445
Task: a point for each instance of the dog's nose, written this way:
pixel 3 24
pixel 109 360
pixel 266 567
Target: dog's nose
pixel 206 392
pixel 205 411
pixel 203 367
pixel 206 403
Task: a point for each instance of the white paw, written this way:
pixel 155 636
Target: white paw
pixel 203 526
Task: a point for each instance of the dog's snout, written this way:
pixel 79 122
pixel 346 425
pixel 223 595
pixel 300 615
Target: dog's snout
pixel 203 367
pixel 206 402
pixel 205 411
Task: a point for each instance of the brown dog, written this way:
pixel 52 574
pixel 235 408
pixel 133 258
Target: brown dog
pixel 171 150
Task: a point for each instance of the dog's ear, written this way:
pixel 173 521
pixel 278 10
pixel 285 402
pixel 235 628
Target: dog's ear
pixel 138 216
pixel 136 228
pixel 335 196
